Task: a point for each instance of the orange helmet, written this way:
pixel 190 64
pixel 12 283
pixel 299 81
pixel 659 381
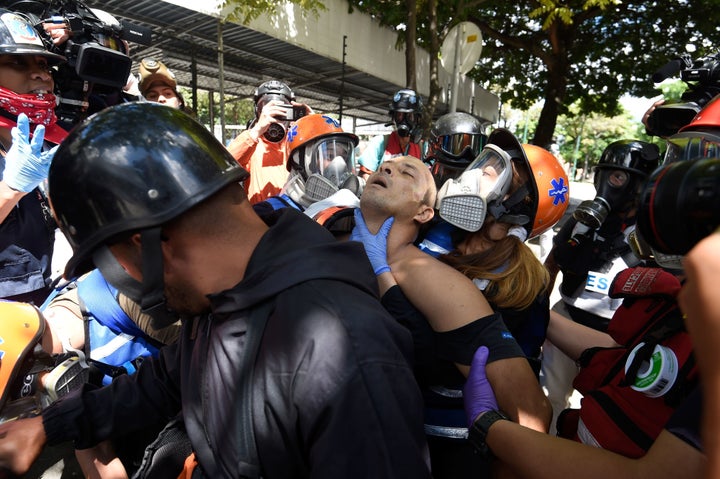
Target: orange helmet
pixel 551 187
pixel 311 133
pixel 21 328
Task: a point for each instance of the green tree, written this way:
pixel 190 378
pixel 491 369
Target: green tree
pixel 244 11
pixel 564 52
pixel 585 52
pixel 238 111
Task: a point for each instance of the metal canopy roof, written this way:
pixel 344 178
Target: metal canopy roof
pixel 182 37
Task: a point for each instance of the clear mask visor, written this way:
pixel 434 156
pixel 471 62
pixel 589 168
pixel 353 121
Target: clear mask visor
pixel 330 164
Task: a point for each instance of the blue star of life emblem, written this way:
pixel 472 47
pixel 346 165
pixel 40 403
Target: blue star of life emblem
pixel 292 133
pixel 558 190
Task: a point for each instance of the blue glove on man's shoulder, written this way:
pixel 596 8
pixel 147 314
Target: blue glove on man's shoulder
pixel 26 165
pixel 375 244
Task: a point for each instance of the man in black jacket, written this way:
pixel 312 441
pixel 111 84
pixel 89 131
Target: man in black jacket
pixel 287 365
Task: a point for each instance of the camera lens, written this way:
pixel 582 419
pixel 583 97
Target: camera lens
pixel 275 133
pixel 680 205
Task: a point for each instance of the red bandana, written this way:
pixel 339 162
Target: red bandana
pixel 40 110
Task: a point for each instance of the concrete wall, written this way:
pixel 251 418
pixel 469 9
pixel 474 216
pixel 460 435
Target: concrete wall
pixel 370 48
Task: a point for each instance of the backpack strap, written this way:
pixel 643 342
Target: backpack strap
pixel 101 299
pixel 249 463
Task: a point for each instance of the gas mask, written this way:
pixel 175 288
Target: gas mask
pixel 464 202
pixel 616 191
pixel 326 167
pixel 405 122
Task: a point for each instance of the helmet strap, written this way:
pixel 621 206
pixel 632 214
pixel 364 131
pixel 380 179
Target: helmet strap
pixel 504 211
pixel 150 293
pixel 153 299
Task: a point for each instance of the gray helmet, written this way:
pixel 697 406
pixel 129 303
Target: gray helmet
pixel 455 141
pixel 107 179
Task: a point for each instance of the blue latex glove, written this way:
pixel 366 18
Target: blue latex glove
pixel 375 244
pixel 477 392
pixel 26 165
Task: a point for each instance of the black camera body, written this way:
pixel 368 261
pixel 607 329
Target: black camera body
pixel 292 112
pixel 680 205
pixel 703 79
pixel 92 69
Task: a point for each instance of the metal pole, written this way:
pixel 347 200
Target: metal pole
pixel 456 67
pixel 193 70
pixel 342 78
pixel 221 72
pixel 211 110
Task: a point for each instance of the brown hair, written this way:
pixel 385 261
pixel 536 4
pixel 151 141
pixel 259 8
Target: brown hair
pixel 516 275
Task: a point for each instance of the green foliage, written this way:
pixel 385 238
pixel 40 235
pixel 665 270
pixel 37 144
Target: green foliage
pixel 237 111
pixel 552 12
pixel 244 11
pixel 586 53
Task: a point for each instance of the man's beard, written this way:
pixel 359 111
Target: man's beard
pixel 184 301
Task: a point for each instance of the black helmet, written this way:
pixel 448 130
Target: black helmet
pixel 406 101
pixel 405 111
pixel 634 156
pixel 274 87
pixel 269 91
pixel 107 179
pixel 455 140
pixel 18 37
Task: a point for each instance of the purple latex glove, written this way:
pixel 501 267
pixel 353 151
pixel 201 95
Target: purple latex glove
pixel 375 244
pixel 477 392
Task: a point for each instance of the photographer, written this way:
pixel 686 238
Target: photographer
pixel 27 231
pixel 262 148
pixel 702 77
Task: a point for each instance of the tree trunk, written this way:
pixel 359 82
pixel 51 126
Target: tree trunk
pixel 435 87
pixel 554 98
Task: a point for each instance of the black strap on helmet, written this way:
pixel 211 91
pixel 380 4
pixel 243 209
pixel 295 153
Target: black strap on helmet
pixel 150 293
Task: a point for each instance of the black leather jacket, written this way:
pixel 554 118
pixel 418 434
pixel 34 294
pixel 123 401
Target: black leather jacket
pixel 333 390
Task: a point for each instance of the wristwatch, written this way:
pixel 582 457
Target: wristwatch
pixel 477 434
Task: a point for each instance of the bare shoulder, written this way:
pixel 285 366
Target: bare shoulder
pixel 446 297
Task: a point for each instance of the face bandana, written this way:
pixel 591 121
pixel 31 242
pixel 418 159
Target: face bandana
pixel 40 110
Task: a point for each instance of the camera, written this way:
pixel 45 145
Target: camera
pixel 680 205
pixel 276 131
pixel 703 79
pixel 292 112
pixel 98 65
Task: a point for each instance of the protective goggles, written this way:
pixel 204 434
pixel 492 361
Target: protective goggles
pixel 459 145
pixel 407 117
pixel 691 145
pixel 404 95
pixel 464 201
